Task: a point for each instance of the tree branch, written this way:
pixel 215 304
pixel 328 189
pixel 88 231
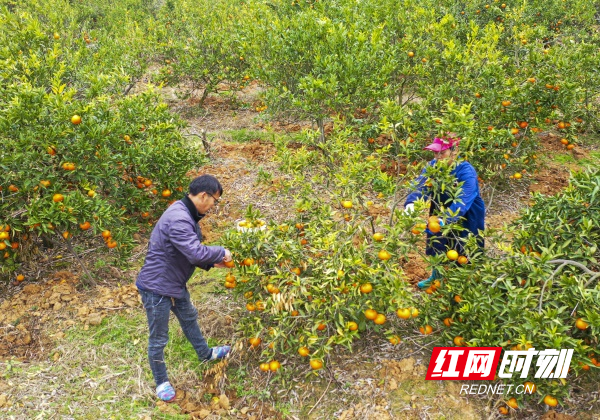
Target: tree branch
pixel 562 264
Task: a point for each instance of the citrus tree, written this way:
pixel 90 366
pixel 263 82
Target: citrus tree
pixel 202 45
pixel 75 166
pixel 539 290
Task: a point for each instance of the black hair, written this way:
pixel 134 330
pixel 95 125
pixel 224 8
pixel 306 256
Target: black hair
pixel 205 183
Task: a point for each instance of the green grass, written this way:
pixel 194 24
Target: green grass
pixel 592 160
pixel 103 372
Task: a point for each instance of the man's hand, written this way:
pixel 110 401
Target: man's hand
pixel 227 256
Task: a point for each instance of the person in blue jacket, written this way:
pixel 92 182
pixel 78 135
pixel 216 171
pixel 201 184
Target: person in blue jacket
pixel 468 207
pixel 174 252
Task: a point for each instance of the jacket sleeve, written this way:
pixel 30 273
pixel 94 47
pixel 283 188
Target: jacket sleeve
pixel 183 237
pixel 419 189
pixel 469 193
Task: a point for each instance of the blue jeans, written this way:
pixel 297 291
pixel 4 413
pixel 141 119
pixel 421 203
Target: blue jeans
pixel 158 310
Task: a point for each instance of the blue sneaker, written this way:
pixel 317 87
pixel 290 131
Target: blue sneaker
pixel 424 284
pixel 165 392
pixel 220 352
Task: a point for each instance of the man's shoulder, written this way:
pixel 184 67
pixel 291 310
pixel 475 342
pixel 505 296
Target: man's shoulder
pixel 177 212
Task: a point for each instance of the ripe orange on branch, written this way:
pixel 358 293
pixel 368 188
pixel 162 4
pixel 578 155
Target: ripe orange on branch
pixel 426 330
pixel 371 314
pixel 403 313
pixel 384 255
pixel 550 401
pixel 581 324
pixel 452 255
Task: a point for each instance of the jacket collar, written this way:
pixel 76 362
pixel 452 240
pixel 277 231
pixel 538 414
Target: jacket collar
pixel 192 209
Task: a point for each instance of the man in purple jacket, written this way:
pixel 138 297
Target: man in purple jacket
pixel 174 252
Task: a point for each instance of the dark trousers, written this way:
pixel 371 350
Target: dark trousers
pixel 158 309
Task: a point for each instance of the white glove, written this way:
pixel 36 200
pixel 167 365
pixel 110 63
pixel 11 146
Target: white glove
pixel 409 208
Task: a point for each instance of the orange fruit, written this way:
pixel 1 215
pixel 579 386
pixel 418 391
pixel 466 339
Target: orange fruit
pixel 503 410
pixel 529 387
pixel 384 255
pixel 294 313
pixel 260 306
pixel 347 204
pixel 457 299
pixel 463 260
pixel 296 270
pixel 506 103
pixel 264 367
pixel 303 351
pixel 514 131
pixel 426 330
pixel 111 244
pixel 2 246
pixel 448 322
pixel 248 261
pixel 299 226
pixel 316 364
pixel 411 54
pixel 250 306
pixel 321 327
pixel 523 124
pixel 106 234
pixel 366 288
pixel 166 193
pixel 66 234
pixel 403 313
pixel 570 146
pixel 434 227
pixel 254 341
pixel 517 175
pixel 414 312
pixel 550 401
pixel 75 120
pixel 380 319
pixel 395 340
pixel 57 198
pixel 452 255
pixel 20 277
pixel 274 365
pixel 370 314
pixel 378 237
pixel 581 324
pixel 352 326
pixel 459 341
pixel 564 141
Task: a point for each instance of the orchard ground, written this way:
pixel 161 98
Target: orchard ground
pixel 74 352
